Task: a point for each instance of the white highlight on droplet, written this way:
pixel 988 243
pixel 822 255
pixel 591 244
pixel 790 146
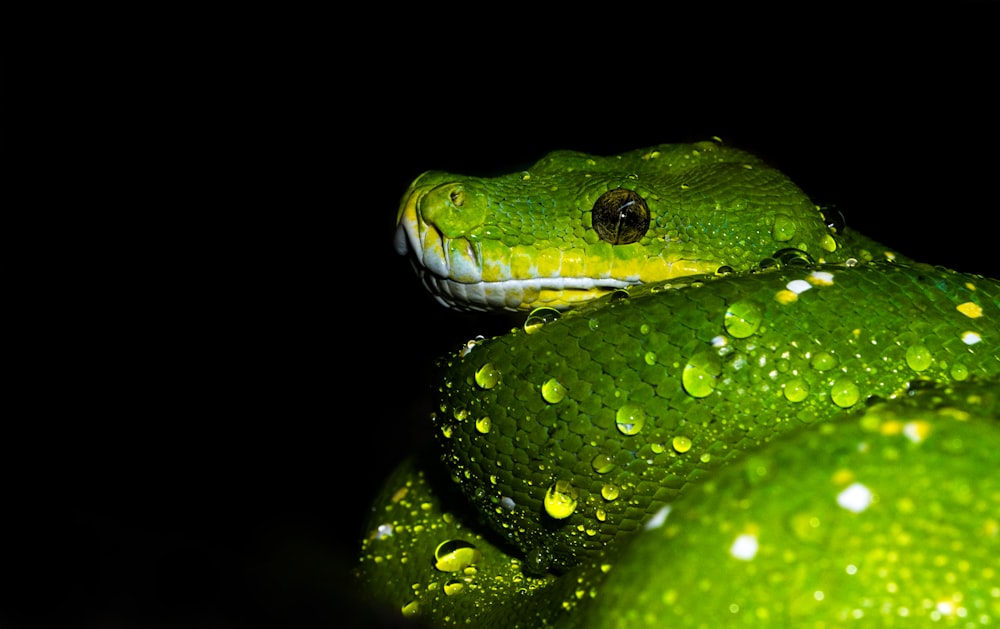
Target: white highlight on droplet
pixel 798 286
pixel 658 518
pixel 855 497
pixel 821 278
pixel 971 338
pixel 744 547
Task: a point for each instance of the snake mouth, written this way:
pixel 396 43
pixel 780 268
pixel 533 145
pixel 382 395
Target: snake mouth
pixel 451 269
pixel 520 295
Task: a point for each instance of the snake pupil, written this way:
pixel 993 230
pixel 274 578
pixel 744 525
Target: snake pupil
pixel 620 216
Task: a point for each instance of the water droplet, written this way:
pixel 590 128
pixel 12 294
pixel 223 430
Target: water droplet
pixel 959 371
pixel 767 263
pixel 593 323
pixel 539 317
pixel 487 377
pixel 601 515
pixel 619 294
pixel 918 357
pixel 644 328
pixel 806 527
pixel 453 587
pixel 560 499
pixel 794 258
pixel 743 318
pixel 553 391
pixel 483 425
pixel 410 609
pixel 454 555
pixel 610 492
pixel 845 392
pixel 630 419
pixel 602 464
pixel 796 390
pixel 783 228
pixel 823 361
pixel 681 444
pixel 650 358
pixel 700 373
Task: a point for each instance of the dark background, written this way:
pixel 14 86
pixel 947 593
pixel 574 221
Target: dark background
pixel 231 356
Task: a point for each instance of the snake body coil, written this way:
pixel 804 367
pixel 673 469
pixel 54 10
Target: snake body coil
pixel 775 397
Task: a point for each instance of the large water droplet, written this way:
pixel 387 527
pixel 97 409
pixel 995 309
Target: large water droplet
pixel 560 499
pixel 794 258
pixel 539 317
pixel 602 464
pixel 410 609
pixel 610 492
pixel 796 390
pixel 454 555
pixel 553 391
pixel 700 373
pixel 681 444
pixel 783 228
pixel 845 392
pixel 743 318
pixel 630 419
pixel 483 425
pixel 918 357
pixel 823 361
pixel 487 376
pixel 618 294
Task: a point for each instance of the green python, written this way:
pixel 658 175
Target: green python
pixel 723 408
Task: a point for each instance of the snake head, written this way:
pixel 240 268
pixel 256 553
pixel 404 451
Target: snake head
pixel 575 226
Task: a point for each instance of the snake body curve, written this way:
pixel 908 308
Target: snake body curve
pixel 741 403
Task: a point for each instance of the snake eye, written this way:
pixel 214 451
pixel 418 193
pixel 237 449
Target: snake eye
pixel 620 216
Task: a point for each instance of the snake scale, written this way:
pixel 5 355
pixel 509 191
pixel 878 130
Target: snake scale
pixel 724 408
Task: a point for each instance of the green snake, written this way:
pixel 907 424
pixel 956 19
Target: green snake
pixel 724 408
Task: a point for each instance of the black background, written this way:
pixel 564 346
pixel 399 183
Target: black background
pixel 231 355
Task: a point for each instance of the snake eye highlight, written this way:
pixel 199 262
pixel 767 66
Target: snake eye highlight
pixel 620 216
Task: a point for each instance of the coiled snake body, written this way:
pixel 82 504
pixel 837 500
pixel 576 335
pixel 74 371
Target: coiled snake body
pixel 724 408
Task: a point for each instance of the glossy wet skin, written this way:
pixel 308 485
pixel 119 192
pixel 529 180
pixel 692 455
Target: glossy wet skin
pixel 573 436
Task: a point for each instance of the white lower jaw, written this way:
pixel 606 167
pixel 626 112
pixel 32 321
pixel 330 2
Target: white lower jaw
pixel 517 295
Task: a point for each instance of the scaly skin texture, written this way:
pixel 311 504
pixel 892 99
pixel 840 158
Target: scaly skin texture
pixel 801 441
